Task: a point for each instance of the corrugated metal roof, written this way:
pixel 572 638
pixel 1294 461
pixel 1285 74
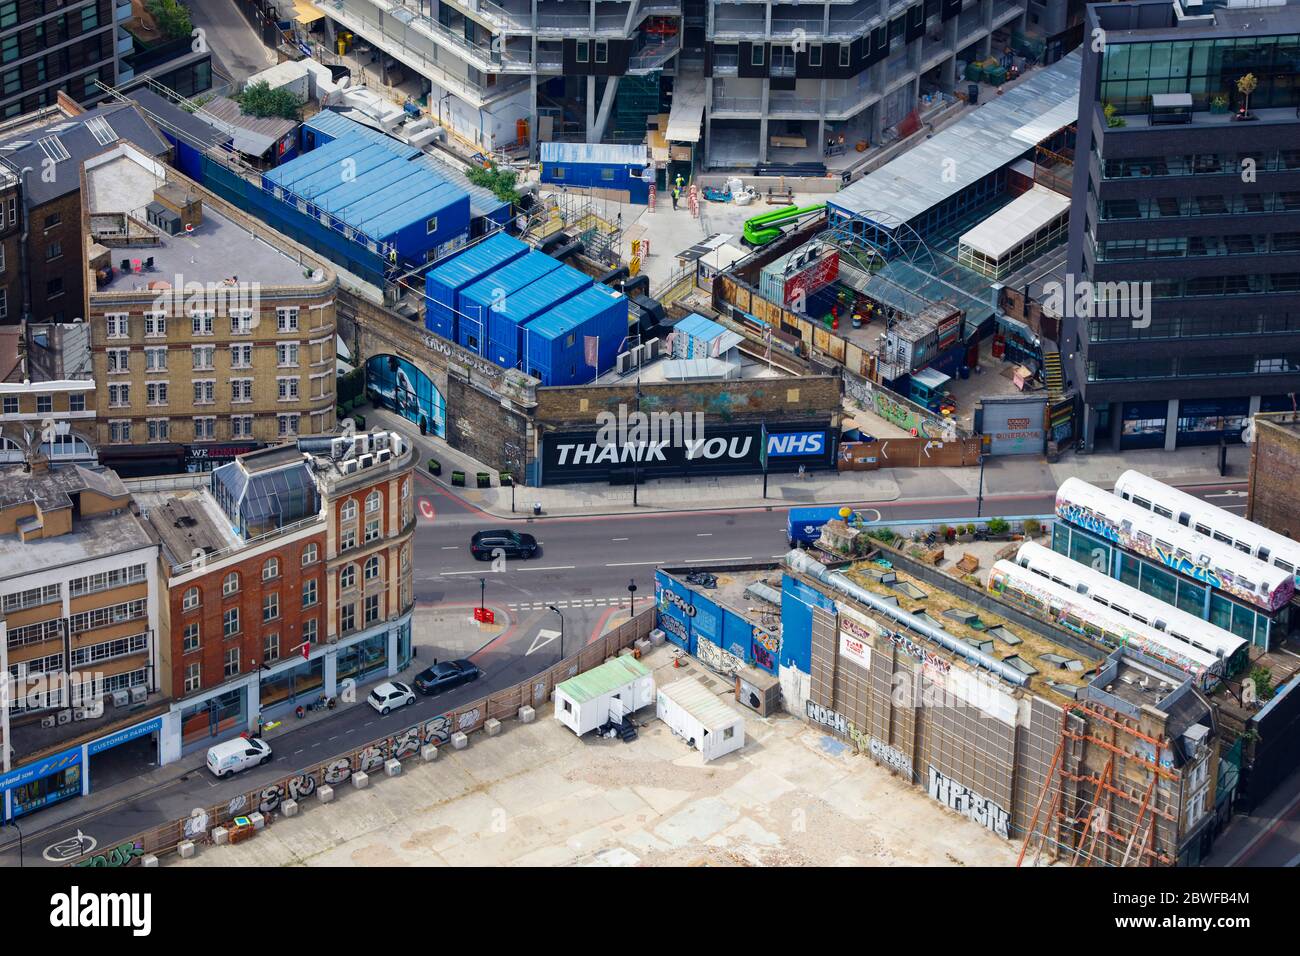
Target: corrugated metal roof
pixel 482 202
pixel 509 278
pixel 605 679
pixel 476 260
pixel 698 327
pixel 252 135
pixel 338 126
pixel 595 154
pixel 701 703
pixel 546 293
pixel 985 140
pixel 570 314
pixel 1016 222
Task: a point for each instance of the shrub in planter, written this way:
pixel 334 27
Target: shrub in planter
pixel 998 526
pixel 361 422
pixel 340 413
pixel 1032 527
pixel 458 478
pixel 435 466
pixel 507 479
pixel 484 479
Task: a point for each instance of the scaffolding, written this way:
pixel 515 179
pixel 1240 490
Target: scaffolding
pixel 638 99
pixel 1119 815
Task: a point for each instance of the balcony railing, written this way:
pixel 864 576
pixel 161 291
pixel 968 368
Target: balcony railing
pixel 738 27
pixel 1003 10
pixel 737 104
pixel 796 26
pixel 781 103
pixel 515 19
pixel 654 56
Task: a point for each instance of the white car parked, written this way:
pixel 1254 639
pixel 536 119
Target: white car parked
pixel 390 695
pixel 232 756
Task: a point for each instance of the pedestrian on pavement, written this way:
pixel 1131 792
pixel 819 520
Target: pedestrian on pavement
pixel 676 193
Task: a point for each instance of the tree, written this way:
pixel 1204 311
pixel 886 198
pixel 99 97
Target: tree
pixel 1245 86
pixel 259 100
pixel 500 181
pixel 172 17
pixel 1263 678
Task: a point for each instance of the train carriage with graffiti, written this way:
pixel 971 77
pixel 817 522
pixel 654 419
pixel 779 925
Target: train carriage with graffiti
pixel 1182 549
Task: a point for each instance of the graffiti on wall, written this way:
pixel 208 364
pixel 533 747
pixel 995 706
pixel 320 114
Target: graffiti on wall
pixel 675 627
pixel 437 730
pixel 891 757
pixel 669 597
pixel 928 658
pixel 981 810
pixel 716 659
pixel 828 718
pixel 120 855
pixel 1085 519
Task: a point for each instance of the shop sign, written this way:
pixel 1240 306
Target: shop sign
pixel 122 736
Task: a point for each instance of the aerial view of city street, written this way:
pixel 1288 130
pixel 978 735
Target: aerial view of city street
pixel 651 433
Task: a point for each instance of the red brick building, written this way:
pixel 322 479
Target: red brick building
pixel 287 576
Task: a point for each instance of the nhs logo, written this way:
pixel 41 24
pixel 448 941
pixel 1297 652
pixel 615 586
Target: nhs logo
pixel 796 443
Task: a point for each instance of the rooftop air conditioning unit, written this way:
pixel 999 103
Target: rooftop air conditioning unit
pixel 379 440
pixel 366 460
pixel 121 698
pixel 621 363
pixel 80 713
pixel 138 694
pixel 49 721
pixel 65 717
pixel 637 352
pixel 350 466
pixel 652 350
pixel 383 455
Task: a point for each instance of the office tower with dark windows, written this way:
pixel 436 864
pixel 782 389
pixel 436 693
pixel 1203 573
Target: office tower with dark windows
pixel 1186 224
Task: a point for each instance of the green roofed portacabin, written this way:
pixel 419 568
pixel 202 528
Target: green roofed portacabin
pixel 601 680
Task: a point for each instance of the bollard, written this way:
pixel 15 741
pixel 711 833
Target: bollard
pixel 361 780
pixel 220 836
pixel 290 808
pixel 326 794
pixel 392 768
pixel 527 715
pixel 149 860
pixel 643 646
pixel 492 726
pixel 428 753
pixel 459 741
pixel 185 850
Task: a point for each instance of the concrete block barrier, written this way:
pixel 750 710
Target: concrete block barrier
pixel 459 741
pixel 392 768
pixel 428 753
pixel 290 808
pixel 492 726
pixel 360 780
pixel 527 715
pixel 326 794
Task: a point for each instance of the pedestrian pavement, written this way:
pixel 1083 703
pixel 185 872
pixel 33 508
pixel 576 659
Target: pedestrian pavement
pixel 1018 475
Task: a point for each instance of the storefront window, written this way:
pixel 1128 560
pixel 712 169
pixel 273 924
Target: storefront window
pixel 1205 422
pixel 213 717
pixel 1144 425
pixel 305 679
pixel 361 658
pixel 404 645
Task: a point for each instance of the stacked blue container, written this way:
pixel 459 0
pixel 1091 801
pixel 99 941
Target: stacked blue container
pixel 509 316
pixel 444 281
pixel 555 341
pixel 475 301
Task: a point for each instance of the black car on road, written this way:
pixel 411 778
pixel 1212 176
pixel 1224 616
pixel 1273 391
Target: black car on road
pixel 444 676
pixel 512 544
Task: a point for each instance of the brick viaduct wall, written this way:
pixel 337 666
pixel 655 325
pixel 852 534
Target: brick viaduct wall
pixel 1274 464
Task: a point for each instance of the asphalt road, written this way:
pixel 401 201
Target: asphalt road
pixel 236 47
pixel 583 559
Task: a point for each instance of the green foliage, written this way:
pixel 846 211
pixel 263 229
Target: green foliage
pixel 172 17
pixel 196 104
pixel 998 526
pixel 259 100
pixel 352 385
pixel 1263 678
pixel 943 531
pixel 883 534
pixel 1113 120
pixel 1032 527
pixel 501 181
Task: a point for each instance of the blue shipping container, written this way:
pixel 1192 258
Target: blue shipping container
pixel 475 301
pixel 467 266
pixel 555 342
pixel 508 316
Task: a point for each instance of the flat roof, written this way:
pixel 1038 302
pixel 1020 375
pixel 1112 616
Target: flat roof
pixel 982 142
pixel 602 154
pixel 701 703
pixel 187 521
pixel 217 249
pixel 601 680
pixel 251 135
pixel 1016 222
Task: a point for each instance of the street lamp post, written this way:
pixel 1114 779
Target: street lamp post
pixel 482 595
pixel 561 617
pixel 631 603
pixel 979 497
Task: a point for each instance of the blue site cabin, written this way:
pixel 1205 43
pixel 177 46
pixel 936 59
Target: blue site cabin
pixel 475 301
pixel 507 318
pixel 555 341
pixel 395 208
pixel 598 166
pixel 804 525
pixel 327 126
pixel 446 279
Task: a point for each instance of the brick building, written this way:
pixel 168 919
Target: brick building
pixel 288 573
pixel 79 594
pixel 212 335
pixel 1274 464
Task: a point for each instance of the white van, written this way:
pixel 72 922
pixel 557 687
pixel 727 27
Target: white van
pixel 239 754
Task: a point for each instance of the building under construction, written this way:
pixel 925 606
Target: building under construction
pixel 1083 754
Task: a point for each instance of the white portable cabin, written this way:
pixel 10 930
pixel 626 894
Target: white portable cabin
pixel 604 693
pixel 700 717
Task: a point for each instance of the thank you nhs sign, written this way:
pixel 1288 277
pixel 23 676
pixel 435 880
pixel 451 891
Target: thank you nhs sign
pixel 723 449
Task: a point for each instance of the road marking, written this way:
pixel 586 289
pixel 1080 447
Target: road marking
pixel 70 848
pixel 630 564
pixel 451 547
pixel 704 534
pixel 450 573
pixel 543 638
pixel 618 539
pixel 745 558
pixel 296 752
pixel 558 567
